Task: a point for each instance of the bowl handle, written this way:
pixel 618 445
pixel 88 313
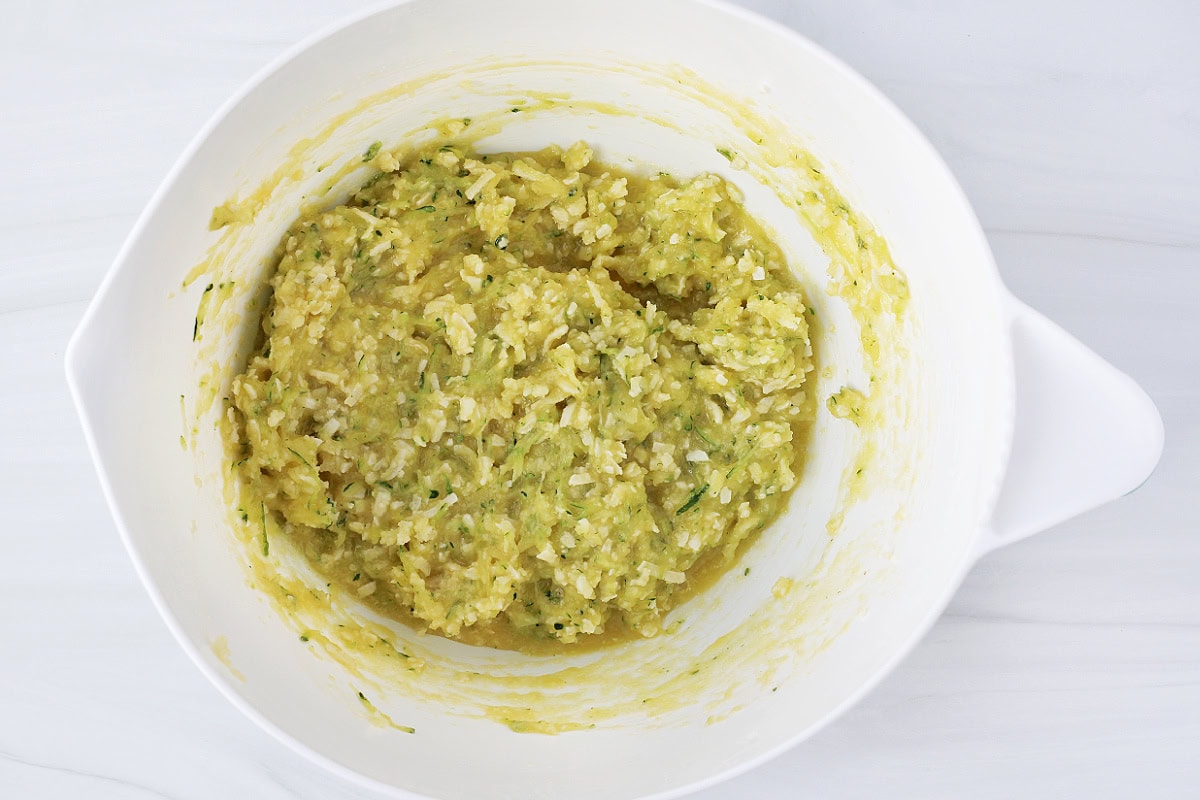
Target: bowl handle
pixel 1085 433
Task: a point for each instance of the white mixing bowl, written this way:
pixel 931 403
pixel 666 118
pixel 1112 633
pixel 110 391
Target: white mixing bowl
pixel 996 422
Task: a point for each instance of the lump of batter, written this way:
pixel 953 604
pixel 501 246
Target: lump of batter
pixel 524 392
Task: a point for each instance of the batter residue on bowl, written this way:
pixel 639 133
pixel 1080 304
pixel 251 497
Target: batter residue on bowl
pixel 526 396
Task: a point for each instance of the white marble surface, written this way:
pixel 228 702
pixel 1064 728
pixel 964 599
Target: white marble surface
pixel 1067 666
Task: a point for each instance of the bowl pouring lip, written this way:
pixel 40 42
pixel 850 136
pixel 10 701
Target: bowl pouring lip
pixel 79 393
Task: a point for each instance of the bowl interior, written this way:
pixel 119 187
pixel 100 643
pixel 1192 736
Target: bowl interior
pixel 751 667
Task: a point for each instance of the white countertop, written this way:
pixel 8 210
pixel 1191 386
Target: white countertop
pixel 1067 666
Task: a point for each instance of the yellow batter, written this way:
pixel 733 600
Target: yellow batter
pixel 524 397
